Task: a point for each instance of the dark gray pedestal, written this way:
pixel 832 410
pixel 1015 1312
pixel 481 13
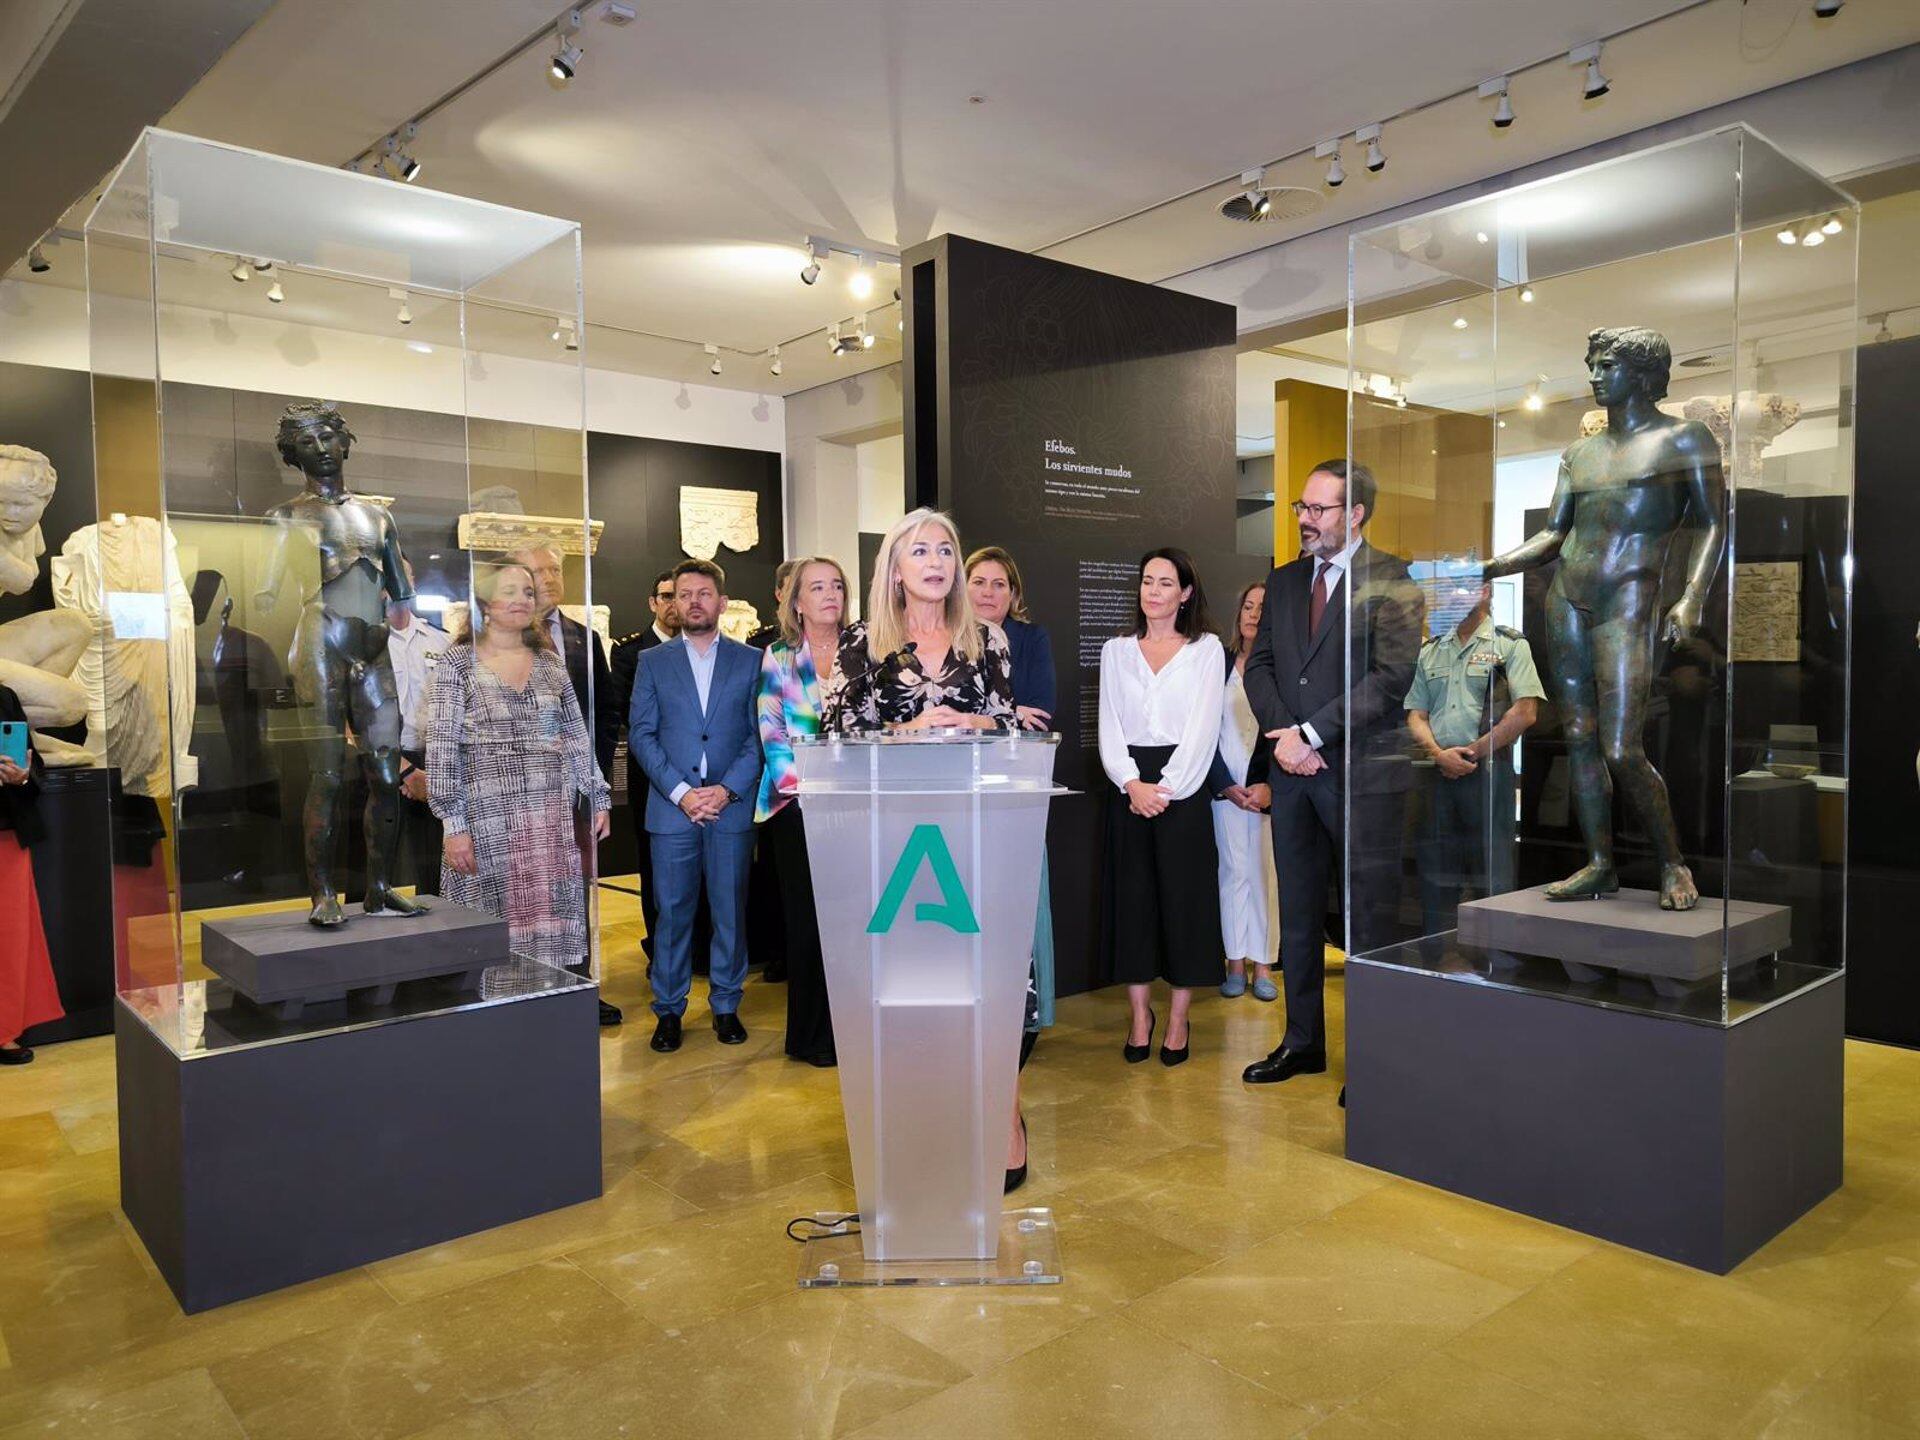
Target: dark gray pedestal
pixel 1690 1141
pixel 249 1166
pixel 1629 932
pixel 283 961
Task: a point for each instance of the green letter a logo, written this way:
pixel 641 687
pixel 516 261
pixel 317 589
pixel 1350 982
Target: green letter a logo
pixel 954 911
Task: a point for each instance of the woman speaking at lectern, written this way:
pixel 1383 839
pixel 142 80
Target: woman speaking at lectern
pixel 921 660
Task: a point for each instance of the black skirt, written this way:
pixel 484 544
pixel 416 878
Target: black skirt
pixel 1163 887
pixel 809 1019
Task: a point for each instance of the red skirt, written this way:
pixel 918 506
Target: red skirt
pixel 27 993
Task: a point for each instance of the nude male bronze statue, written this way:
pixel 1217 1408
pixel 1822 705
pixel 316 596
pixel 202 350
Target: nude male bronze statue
pixel 344 553
pixel 1622 497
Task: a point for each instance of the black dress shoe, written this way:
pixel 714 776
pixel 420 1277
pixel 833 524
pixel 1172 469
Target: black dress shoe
pixel 610 1014
pixel 18 1055
pixel 1017 1176
pixel 822 1062
pixel 1343 1097
pixel 1171 1057
pixel 666 1034
pixel 729 1029
pixel 1284 1064
pixel 1134 1054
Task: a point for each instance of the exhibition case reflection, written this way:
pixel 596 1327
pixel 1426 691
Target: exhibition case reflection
pixel 1609 415
pixel 335 417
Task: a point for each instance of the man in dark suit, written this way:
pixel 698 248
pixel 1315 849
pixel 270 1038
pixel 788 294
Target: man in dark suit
pixel 1297 684
pixel 580 647
pixel 695 727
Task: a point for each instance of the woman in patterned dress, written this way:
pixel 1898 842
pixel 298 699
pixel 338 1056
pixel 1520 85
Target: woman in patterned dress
pixel 508 758
pixel 811 614
pixel 922 660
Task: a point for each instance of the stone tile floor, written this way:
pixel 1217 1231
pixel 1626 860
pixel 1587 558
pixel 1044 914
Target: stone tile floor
pixel 1228 1274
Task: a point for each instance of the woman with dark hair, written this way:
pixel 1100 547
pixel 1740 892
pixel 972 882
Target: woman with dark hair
pixel 1160 700
pixel 1000 598
pixel 28 996
pixel 508 758
pixel 1241 799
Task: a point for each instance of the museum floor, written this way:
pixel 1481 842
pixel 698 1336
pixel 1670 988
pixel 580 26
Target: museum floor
pixel 1227 1274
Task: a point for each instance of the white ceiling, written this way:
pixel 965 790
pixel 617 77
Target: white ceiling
pixel 699 145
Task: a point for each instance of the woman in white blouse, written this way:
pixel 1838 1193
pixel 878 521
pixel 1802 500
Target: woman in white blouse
pixel 1160 699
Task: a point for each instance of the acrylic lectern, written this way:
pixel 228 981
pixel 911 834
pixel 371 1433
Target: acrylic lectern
pixel 926 851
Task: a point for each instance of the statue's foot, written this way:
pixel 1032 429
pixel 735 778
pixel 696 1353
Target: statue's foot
pixel 1587 883
pixel 326 913
pixel 382 901
pixel 1677 890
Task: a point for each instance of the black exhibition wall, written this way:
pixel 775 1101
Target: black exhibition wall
pixel 1883 884
pixel 1078 419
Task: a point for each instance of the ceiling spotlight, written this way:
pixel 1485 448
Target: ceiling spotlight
pixel 1336 172
pixel 773 360
pixel 1369 135
pixel 1827 9
pixel 867 337
pixel 1480 236
pixel 1595 84
pixel 1535 401
pixel 275 293
pixel 37 260
pixel 1502 112
pixel 405 316
pixel 1833 226
pixel 713 351
pixel 399 164
pixel 1813 237
pixel 1459 322
pixel 565 60
pixel 240 271
pixel 1526 295
pixel 816 252
pixel 833 339
pixel 861 285
pixel 1788 237
pixel 1884 333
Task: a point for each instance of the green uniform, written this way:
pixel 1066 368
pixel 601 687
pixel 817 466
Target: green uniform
pixel 1452 678
pixel 1465 841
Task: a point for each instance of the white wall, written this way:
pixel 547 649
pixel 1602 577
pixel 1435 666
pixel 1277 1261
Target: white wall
pixel 843 461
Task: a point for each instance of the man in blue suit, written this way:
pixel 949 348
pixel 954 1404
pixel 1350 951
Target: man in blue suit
pixel 694 729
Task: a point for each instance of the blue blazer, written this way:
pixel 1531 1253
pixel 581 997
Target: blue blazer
pixel 668 733
pixel 1032 654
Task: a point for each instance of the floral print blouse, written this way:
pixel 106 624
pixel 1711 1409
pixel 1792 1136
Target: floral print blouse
pixel 789 705
pixel 858 698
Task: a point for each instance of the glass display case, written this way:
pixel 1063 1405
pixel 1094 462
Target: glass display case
pixel 329 409
pixel 1598 747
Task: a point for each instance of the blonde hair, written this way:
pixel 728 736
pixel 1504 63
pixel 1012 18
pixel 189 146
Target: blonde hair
pixel 887 601
pixel 472 617
pixel 994 555
pixel 792 628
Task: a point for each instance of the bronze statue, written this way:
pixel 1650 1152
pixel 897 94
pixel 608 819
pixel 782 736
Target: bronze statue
pixel 1622 497
pixel 344 552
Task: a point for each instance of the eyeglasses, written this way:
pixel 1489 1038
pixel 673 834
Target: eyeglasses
pixel 1314 512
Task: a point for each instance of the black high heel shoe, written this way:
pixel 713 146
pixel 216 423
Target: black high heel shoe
pixel 1018 1176
pixel 1134 1054
pixel 1170 1057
